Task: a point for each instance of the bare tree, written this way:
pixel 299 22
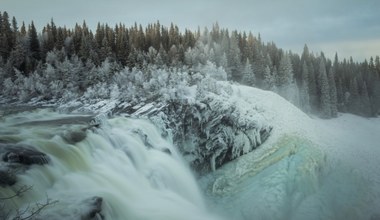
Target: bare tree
pixel 28 213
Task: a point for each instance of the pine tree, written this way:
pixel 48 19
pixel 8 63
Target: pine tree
pixel 365 102
pixel 59 44
pixel 269 81
pixel 313 94
pixel 34 42
pixel 99 35
pixel 354 97
pixel 248 74
pixel 375 97
pixel 304 90
pixel 6 37
pixel 333 93
pixel 105 50
pixel 377 66
pixel 15 34
pixel 339 93
pixel 325 99
pixel 23 30
pixel 234 58
pixel 285 72
pixel 17 57
pixel 305 54
pixel 284 81
pixel 122 47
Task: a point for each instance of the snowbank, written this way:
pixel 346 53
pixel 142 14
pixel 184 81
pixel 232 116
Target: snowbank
pixel 309 168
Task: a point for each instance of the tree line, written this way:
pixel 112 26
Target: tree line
pixel 78 58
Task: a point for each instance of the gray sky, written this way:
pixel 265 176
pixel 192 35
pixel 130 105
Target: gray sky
pixel 349 27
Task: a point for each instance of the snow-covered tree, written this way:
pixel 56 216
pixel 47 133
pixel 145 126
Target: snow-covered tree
pixel 269 81
pixel 354 97
pixel 234 59
pixel 285 72
pixel 325 100
pixel 304 90
pixel 211 70
pixel 248 74
pixel 287 88
pixel 365 101
pixel 333 93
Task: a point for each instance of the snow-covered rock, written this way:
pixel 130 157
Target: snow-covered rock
pixel 213 130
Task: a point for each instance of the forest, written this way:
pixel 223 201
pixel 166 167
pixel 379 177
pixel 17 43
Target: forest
pixel 134 64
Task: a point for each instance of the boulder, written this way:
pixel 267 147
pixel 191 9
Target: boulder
pixel 74 136
pixel 7 178
pixel 95 209
pixel 22 154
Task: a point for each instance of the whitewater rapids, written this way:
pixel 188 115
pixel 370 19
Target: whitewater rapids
pixel 137 173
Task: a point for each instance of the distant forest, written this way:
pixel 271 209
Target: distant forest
pixel 60 63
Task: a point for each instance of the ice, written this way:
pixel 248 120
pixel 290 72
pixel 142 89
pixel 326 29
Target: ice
pixel 309 168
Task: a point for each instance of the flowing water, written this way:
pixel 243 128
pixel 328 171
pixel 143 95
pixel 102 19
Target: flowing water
pixel 122 168
pixel 137 173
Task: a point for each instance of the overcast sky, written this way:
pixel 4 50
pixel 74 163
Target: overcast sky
pixel 349 27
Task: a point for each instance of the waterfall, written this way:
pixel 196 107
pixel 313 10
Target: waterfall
pixel 124 164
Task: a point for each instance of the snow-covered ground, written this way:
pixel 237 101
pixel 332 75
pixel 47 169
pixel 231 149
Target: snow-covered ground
pixel 309 168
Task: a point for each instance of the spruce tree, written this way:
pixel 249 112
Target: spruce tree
pixel 354 97
pixel 285 72
pixel 365 102
pixel 248 74
pixel 325 99
pixel 269 81
pixel 313 94
pixel 34 43
pixel 375 97
pixel 234 58
pixel 6 36
pixel 285 82
pixel 304 90
pixel 23 30
pixel 377 65
pixel 333 93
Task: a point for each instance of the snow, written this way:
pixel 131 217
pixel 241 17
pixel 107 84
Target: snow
pixel 309 168
pixel 352 138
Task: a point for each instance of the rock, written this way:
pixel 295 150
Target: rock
pixel 22 154
pixel 95 208
pixel 74 136
pixel 15 159
pixel 7 178
pixel 167 151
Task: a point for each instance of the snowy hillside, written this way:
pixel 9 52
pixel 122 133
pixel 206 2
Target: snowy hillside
pixel 307 169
